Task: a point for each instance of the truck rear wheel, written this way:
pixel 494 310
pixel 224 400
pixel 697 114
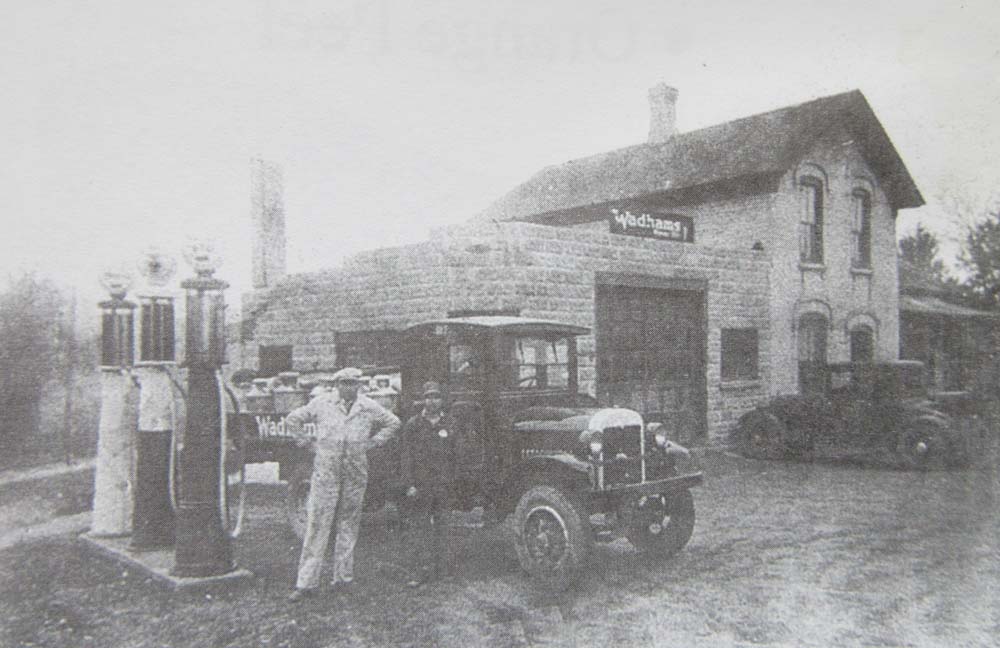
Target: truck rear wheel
pixel 296 498
pixel 662 524
pixel 552 536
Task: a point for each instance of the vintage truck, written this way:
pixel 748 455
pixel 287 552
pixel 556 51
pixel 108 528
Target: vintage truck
pixel 566 471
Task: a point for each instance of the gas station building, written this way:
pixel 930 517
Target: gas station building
pixel 714 268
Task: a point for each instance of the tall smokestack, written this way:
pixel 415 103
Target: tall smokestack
pixel 662 113
pixel 267 212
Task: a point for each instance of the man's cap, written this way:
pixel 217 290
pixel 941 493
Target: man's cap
pixel 347 374
pixel 431 388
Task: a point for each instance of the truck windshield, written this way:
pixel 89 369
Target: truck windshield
pixel 530 363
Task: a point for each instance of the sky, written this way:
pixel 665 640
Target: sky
pixel 130 124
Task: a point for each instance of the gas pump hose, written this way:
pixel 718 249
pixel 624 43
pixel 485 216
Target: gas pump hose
pixel 223 478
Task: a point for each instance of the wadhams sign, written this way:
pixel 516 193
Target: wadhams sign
pixel 663 227
pixel 271 426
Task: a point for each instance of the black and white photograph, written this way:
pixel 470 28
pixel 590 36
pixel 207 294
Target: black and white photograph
pixel 501 324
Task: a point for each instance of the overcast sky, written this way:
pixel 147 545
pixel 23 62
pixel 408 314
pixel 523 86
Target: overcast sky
pixel 125 124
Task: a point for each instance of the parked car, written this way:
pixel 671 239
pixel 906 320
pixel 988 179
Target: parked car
pixel 567 471
pixel 870 412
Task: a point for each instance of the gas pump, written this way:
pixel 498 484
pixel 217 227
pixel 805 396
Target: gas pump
pixel 153 496
pixel 112 502
pixel 202 546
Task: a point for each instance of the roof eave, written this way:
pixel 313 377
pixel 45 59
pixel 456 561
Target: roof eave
pixel 724 189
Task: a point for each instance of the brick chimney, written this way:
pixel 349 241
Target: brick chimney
pixel 267 213
pixel 662 113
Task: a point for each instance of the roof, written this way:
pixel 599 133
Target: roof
pixel 746 152
pixel 509 324
pixel 930 305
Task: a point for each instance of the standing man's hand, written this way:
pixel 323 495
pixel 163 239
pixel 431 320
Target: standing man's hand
pixel 411 491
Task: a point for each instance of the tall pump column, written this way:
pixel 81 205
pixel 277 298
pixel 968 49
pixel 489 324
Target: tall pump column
pixel 153 514
pixel 202 547
pixel 112 514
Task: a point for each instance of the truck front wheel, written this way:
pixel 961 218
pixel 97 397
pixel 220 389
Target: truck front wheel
pixel 552 536
pixel 662 525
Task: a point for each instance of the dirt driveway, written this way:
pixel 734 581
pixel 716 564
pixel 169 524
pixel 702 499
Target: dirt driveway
pixel 783 555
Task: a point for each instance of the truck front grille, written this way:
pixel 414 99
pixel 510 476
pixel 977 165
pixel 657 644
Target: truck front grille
pixel 623 441
pixel 622 453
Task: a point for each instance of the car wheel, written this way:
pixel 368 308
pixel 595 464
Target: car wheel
pixel 552 536
pixel 662 524
pixel 297 497
pixel 922 445
pixel 762 436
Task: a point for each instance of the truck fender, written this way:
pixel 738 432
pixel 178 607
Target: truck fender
pixel 562 470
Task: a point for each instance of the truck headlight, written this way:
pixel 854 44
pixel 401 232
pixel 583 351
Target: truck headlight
pixel 596 447
pixel 661 439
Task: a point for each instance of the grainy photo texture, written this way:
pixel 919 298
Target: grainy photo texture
pixel 500 324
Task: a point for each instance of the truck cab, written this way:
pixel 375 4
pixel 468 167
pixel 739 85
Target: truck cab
pixel 531 446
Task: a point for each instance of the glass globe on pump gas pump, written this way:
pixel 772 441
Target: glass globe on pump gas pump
pixel 202 546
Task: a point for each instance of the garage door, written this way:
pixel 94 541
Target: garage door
pixel 651 354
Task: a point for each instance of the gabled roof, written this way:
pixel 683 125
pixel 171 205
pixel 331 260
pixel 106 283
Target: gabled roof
pixel 743 152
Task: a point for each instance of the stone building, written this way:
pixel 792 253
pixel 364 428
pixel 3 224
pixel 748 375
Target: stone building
pixel 714 268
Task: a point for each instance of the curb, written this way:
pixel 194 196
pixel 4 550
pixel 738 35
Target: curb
pixel 157 564
pixel 18 476
pixel 70 524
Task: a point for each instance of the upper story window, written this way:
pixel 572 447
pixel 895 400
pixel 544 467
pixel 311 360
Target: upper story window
pixel 861 229
pixel 811 220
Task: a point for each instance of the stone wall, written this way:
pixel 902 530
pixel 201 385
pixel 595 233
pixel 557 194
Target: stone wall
pixel 540 271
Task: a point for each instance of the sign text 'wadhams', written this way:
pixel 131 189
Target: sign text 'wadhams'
pixel 660 226
pixel 267 427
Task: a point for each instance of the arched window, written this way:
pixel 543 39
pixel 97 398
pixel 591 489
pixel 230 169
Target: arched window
pixel 811 220
pixel 812 353
pixel 862 344
pixel 861 229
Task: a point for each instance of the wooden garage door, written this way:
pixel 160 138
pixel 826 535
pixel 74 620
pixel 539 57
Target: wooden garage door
pixel 650 354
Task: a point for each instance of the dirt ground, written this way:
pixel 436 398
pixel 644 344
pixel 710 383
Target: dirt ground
pixel 783 554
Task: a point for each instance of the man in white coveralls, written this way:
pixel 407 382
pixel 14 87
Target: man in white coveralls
pixel 348 424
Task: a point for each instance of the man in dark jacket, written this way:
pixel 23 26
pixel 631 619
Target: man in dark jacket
pixel 428 464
